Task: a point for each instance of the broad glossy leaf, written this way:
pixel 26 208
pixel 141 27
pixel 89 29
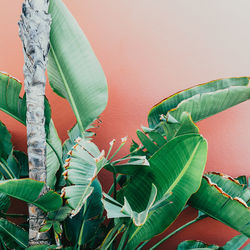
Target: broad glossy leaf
pixel 13 236
pixel 202 100
pixel 224 199
pixel 28 190
pixel 73 69
pixel 177 166
pixel 81 169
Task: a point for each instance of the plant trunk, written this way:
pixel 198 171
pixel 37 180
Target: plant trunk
pixel 34 29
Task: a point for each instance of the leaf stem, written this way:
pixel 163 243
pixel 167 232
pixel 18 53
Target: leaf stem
pixel 82 227
pixel 112 235
pixel 116 152
pixel 115 185
pixel 124 237
pixel 177 230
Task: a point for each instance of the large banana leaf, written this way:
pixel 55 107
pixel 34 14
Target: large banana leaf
pixel 13 236
pixel 176 167
pixel 224 199
pixel 15 106
pixel 28 190
pixel 203 100
pixel 73 69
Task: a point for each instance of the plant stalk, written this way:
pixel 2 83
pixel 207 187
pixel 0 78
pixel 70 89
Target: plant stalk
pixel 177 230
pixel 34 31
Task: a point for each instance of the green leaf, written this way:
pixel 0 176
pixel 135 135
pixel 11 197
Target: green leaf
pixel 202 100
pixel 4 202
pixel 81 169
pixel 61 214
pixel 116 210
pixel 43 247
pixel 236 242
pixel 10 102
pixel 76 73
pixel 46 227
pixel 195 244
pixel 29 190
pixel 5 142
pixel 134 164
pixel 53 155
pixel 185 126
pixel 22 160
pixel 247 247
pixel 88 219
pixel 243 180
pixel 224 199
pixel 13 236
pixel 176 167
pixel 73 134
pixel 6 170
pixel 147 142
pixel 57 227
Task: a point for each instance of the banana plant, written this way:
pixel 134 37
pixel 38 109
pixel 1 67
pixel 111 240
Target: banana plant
pixel 157 178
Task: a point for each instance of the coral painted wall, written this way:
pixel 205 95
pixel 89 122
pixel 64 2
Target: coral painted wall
pixel 149 50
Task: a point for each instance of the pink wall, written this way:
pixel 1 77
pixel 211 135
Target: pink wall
pixel 149 50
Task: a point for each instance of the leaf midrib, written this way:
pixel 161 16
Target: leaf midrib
pixel 170 188
pixel 13 236
pixel 71 100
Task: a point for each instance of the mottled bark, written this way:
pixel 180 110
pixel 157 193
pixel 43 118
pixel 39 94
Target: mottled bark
pixel 34 29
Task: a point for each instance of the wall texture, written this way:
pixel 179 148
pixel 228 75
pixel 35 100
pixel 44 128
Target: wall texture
pixel 149 50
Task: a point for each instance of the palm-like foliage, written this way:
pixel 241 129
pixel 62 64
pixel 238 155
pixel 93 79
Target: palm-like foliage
pixel 156 179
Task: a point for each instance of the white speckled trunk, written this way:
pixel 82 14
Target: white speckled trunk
pixel 34 30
